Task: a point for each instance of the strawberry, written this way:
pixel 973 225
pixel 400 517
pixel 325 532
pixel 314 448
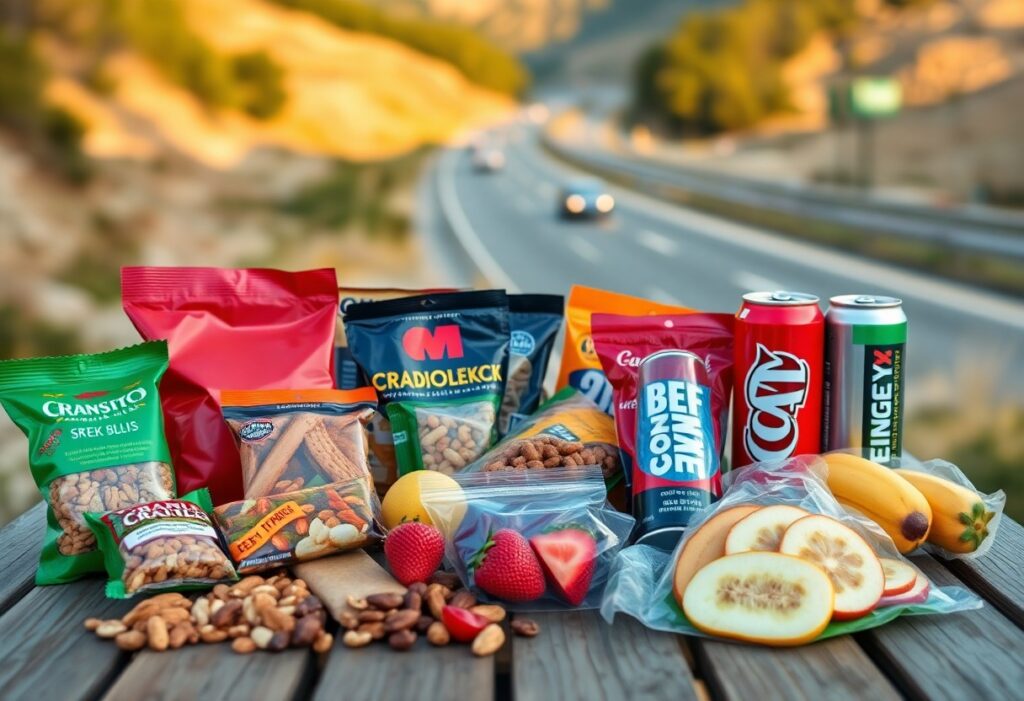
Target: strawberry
pixel 568 557
pixel 414 551
pixel 506 568
pixel 462 624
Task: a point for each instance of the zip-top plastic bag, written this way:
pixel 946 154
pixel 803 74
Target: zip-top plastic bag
pixel 964 520
pixel 533 540
pixel 793 550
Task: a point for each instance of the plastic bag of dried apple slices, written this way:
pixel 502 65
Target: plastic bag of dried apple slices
pixel 531 540
pixel 800 568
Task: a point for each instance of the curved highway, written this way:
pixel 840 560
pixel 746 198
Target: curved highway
pixel 506 222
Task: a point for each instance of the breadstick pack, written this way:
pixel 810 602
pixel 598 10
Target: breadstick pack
pixel 308 488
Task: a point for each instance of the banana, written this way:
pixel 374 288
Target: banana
pixel 959 517
pixel 883 496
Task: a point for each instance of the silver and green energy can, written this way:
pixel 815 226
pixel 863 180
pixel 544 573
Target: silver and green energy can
pixel 865 345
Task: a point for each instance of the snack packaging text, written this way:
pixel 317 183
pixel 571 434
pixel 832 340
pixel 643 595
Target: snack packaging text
pixel 622 342
pixel 96 443
pixel 438 363
pixel 161 546
pixel 581 368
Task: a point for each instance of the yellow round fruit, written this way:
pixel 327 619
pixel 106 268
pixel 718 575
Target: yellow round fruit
pixel 403 501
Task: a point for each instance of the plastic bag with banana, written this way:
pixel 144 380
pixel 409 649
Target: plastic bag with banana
pixel 779 561
pixel 927 504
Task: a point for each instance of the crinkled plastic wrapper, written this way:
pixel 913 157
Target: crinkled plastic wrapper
pixel 531 503
pixel 641 581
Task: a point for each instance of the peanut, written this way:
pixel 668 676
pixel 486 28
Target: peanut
pixel 110 629
pixel 437 634
pixel 354 638
pixel 131 640
pixel 492 612
pixel 488 641
pixel 243 646
pixel 323 643
pixel 156 633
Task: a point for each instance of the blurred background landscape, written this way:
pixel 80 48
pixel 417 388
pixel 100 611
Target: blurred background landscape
pixel 748 144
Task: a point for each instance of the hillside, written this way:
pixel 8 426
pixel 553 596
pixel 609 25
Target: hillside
pixel 349 95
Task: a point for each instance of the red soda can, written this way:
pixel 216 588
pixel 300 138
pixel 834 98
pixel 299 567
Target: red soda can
pixel 677 470
pixel 779 369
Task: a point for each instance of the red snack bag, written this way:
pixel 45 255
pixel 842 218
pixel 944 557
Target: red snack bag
pixel 621 342
pixel 244 329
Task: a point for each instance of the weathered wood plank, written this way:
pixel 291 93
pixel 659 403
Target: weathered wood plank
pixel 997 575
pixel 20 543
pixel 423 673
pixel 212 672
pixel 579 656
pixel 836 669
pixel 48 654
pixel 970 655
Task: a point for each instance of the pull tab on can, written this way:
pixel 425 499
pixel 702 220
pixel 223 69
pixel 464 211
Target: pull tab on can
pixel 677 471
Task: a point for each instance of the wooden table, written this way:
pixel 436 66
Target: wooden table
pixel 972 656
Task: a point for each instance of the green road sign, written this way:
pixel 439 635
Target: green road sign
pixel 871 98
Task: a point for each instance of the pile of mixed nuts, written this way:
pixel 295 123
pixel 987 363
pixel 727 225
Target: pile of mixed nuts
pixel 271 613
pixel 402 618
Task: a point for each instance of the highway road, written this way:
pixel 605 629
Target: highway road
pixel 961 339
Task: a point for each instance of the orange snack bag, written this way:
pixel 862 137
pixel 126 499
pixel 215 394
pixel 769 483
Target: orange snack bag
pixel 581 368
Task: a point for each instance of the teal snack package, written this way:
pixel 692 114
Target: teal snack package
pixel 438 363
pixel 96 443
pixel 168 545
pixel 534 321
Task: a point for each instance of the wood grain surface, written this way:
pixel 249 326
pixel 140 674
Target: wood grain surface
pixel 836 669
pixel 578 656
pixel 423 673
pixel 20 543
pixel 998 575
pixel 48 654
pixel 969 655
pixel 212 673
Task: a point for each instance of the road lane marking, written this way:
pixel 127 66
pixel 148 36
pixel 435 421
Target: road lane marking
pixel 901 282
pixel 750 282
pixel 659 243
pixel 463 230
pixel 584 249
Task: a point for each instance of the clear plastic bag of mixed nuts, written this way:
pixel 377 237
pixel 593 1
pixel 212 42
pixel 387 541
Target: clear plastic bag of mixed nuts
pixel 532 540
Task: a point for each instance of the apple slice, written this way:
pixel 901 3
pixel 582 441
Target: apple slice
pixel 705 544
pixel 762 530
pixel 760 597
pixel 917 594
pixel 899 576
pixel 848 560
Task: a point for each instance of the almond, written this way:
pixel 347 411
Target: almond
pixel 243 646
pixel 437 634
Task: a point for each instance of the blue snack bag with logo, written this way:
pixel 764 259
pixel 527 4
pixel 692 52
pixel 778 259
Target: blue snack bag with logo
pixel 534 320
pixel 438 363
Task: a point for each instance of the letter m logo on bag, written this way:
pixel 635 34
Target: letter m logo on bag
pixel 420 343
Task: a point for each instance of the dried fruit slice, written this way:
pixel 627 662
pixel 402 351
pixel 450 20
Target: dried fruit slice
pixel 848 560
pixel 899 576
pixel 762 530
pixel 917 594
pixel 705 544
pixel 760 597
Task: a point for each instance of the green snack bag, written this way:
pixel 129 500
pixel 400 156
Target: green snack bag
pixel 96 443
pixel 167 545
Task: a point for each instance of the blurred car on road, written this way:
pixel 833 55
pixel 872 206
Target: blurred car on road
pixel 488 159
pixel 585 197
